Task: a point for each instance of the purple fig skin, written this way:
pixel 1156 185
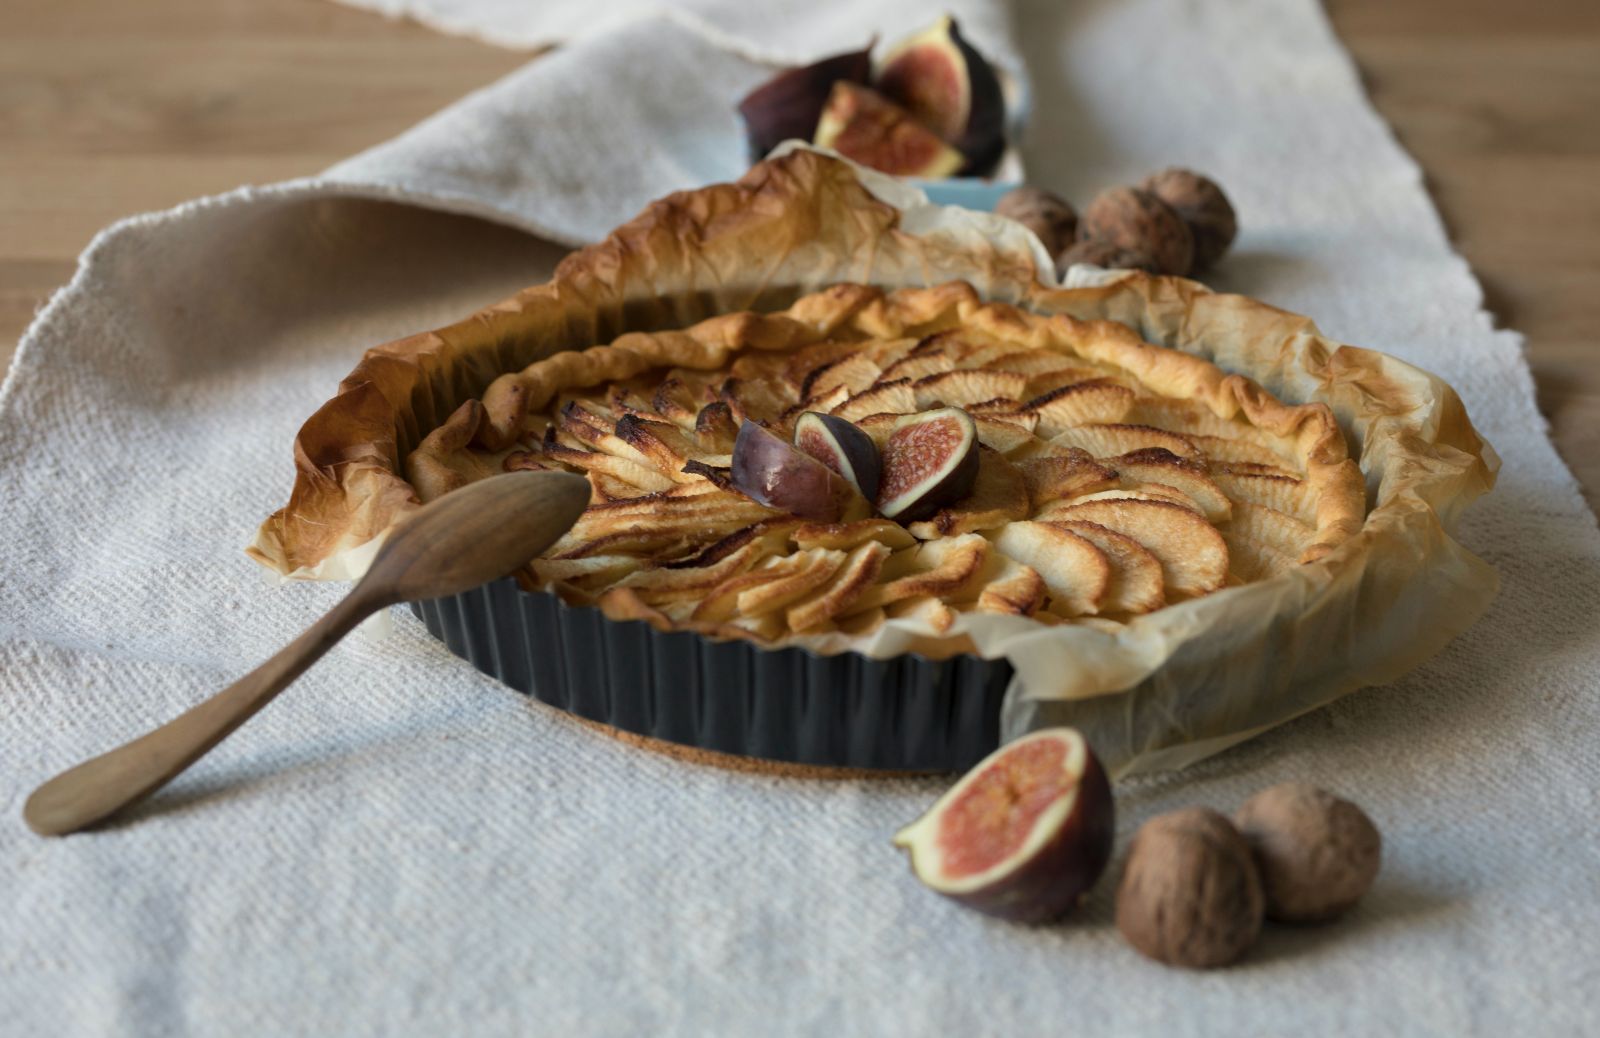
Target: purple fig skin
pixel 982 137
pixel 769 469
pixel 861 464
pixel 1059 874
pixel 956 483
pixel 790 103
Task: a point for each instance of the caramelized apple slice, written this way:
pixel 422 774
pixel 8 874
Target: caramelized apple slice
pixel 1074 570
pixel 1111 439
pixel 1058 477
pixel 998 496
pixel 1096 400
pixel 1160 466
pixel 1011 587
pixel 959 388
pixel 1193 556
pixel 949 568
pixel 1136 584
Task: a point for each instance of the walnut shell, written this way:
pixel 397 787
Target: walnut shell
pixel 1316 852
pixel 1050 217
pixel 1140 221
pixel 1190 894
pixel 1104 254
pixel 1203 207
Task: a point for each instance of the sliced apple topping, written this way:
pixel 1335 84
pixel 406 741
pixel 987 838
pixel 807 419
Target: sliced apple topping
pixel 998 496
pixel 1075 572
pixel 1136 584
pixel 847 471
pixel 1193 556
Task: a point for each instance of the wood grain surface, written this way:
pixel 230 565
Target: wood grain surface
pixel 109 109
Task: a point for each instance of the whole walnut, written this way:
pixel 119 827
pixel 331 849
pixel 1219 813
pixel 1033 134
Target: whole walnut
pixel 1048 216
pixel 1138 220
pixel 1104 254
pixel 1203 207
pixel 1190 895
pixel 1317 853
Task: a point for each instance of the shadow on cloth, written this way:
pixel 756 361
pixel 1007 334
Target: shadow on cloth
pixel 312 267
pixel 265 773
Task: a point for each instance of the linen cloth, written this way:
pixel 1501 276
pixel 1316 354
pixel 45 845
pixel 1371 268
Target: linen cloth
pixel 399 845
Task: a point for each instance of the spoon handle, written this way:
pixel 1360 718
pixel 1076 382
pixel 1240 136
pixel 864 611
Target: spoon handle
pixel 99 788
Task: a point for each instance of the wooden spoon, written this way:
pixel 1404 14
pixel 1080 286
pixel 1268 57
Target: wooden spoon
pixel 467 537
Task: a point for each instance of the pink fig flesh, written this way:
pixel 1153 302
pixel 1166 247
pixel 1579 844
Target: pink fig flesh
pixel 861 125
pixel 842 446
pixel 930 460
pixel 789 104
pixel 944 82
pixel 1022 836
pixel 768 469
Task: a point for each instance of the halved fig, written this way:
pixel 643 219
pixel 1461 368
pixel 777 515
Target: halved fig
pixel 790 103
pixel 841 446
pixel 930 460
pixel 1024 835
pixel 772 471
pixel 949 87
pixel 860 124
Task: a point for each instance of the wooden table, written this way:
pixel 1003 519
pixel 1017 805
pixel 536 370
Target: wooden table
pixel 109 108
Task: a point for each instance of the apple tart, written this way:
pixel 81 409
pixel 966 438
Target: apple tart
pixel 884 493
pixel 1104 477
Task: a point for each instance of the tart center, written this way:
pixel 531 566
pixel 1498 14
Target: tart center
pixel 866 457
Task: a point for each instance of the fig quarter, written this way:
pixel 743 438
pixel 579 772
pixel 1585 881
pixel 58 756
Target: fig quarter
pixel 842 446
pixel 952 89
pixel 769 469
pixel 930 460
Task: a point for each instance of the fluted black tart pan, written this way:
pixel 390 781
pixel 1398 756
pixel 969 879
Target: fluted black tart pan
pixel 791 705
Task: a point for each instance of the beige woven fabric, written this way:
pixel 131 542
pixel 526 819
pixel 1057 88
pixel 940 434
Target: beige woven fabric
pixel 401 846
